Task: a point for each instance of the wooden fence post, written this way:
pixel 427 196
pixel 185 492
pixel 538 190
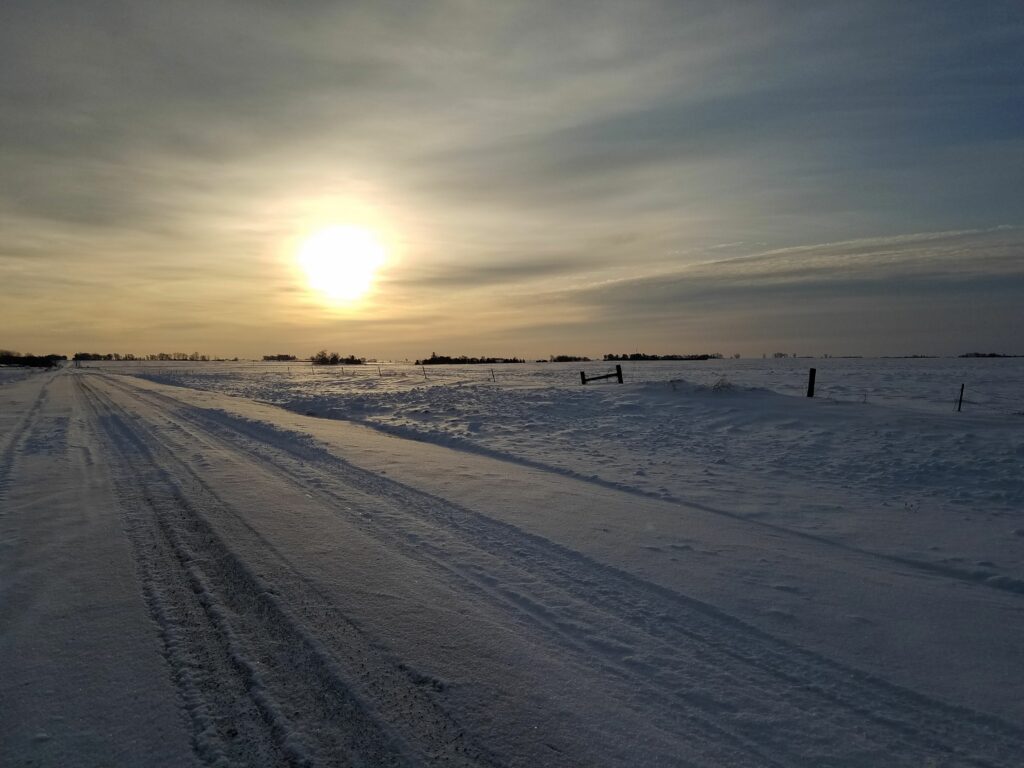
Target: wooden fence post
pixel 616 375
pixel 960 402
pixel 810 382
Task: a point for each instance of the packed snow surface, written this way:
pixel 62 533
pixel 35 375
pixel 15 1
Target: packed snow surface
pixel 230 564
pixel 880 455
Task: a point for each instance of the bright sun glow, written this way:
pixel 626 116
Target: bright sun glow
pixel 341 261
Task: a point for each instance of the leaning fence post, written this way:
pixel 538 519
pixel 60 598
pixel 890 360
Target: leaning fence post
pixel 583 376
pixel 960 402
pixel 810 382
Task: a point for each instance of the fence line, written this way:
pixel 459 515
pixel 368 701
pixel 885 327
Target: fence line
pixel 987 390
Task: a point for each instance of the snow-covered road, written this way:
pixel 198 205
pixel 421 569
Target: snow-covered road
pixel 189 578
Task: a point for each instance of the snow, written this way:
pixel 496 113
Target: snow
pixel 264 565
pixel 878 458
pixel 75 642
pixel 10 374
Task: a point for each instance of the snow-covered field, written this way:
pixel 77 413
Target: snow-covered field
pixel 880 457
pixel 11 373
pixel 233 564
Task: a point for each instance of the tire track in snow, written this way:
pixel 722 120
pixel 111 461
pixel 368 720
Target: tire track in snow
pixel 739 684
pixel 260 688
pixel 740 747
pixel 984 576
pixel 18 438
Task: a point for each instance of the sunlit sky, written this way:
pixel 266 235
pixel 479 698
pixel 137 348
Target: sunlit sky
pixel 540 178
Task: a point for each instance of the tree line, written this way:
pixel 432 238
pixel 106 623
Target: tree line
pixel 323 357
pixel 436 359
pixel 10 357
pixel 186 356
pixel 643 356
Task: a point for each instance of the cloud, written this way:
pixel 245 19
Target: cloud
pixel 878 295
pixel 168 155
pixel 918 263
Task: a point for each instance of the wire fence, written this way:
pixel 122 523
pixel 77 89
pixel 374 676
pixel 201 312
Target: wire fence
pixel 992 387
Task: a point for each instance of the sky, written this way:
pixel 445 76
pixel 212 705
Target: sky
pixel 541 178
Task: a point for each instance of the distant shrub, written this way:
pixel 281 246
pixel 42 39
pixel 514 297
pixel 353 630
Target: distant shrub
pixel 323 357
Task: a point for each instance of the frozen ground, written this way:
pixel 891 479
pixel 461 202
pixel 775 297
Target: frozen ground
pixel 12 373
pixel 675 571
pixel 880 457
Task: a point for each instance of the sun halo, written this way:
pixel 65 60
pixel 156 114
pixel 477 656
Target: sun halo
pixel 341 261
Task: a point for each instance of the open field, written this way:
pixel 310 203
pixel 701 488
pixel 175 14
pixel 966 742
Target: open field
pixel 251 565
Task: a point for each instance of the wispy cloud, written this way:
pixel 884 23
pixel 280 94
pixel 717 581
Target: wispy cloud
pixel 170 155
pixel 931 292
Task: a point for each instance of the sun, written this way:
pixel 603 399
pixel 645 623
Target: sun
pixel 341 262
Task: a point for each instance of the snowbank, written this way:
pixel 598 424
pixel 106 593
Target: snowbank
pixel 879 458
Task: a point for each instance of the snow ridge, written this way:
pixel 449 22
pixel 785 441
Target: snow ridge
pixel 18 437
pixel 267 655
pixel 744 691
